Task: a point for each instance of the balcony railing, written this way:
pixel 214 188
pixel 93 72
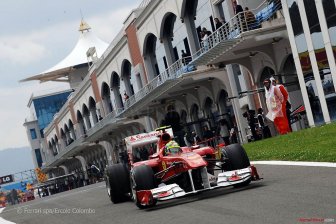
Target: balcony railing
pixel 174 71
pixel 240 23
pixel 104 121
pixel 71 146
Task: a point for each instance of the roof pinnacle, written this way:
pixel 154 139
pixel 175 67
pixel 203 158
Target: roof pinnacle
pixel 84 26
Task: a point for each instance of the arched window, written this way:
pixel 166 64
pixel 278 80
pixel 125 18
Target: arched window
pixel 115 87
pixel 150 56
pixel 81 124
pixel 126 72
pixel 93 110
pixel 86 117
pixel 106 97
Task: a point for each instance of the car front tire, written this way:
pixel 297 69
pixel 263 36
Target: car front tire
pixel 236 158
pixel 117 182
pixel 142 179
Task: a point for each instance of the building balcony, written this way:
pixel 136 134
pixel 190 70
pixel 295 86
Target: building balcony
pixel 233 39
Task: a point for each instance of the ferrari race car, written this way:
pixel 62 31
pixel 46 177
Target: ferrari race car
pixel 172 171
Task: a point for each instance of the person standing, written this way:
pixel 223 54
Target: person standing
pixel 15 198
pixel 234 134
pixel 218 23
pixel 238 8
pixel 172 118
pixel 249 115
pixel 185 59
pixel 208 136
pixel 205 41
pixel 206 31
pixel 196 138
pixel 250 19
pixel 262 124
pixel 239 12
pixel 224 131
pixel 222 31
pixel 126 97
pixel 285 103
pixel 274 102
pixel 188 139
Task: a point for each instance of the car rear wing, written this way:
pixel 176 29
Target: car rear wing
pixel 142 139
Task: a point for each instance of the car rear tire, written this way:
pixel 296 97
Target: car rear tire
pixel 236 158
pixel 117 182
pixel 142 179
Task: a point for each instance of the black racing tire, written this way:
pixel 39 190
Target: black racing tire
pixel 142 179
pixel 236 158
pixel 117 182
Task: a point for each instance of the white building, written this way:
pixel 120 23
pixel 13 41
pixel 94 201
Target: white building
pixel 221 78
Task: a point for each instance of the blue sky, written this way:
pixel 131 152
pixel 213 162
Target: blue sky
pixel 35 35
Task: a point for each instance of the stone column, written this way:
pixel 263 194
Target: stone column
pixel 192 34
pixel 312 56
pixel 168 50
pixel 236 104
pixel 84 167
pixel 109 152
pixel 100 110
pixel 248 85
pixel 94 116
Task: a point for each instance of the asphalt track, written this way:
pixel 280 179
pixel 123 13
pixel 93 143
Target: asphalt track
pixel 287 194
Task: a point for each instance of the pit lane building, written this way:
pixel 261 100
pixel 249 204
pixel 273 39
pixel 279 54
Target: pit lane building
pixel 142 79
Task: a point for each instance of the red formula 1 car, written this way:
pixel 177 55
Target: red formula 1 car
pixel 175 171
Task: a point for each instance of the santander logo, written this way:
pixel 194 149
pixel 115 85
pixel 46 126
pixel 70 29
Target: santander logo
pixel 143 136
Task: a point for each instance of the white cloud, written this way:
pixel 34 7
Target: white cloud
pixel 12 116
pixel 31 47
pixel 18 51
pixel 34 47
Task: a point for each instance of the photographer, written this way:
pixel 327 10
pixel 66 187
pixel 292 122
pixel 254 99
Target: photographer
pixel 263 125
pixel 251 120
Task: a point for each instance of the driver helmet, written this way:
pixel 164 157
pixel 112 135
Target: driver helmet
pixel 172 147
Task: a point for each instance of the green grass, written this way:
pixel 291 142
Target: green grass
pixel 314 144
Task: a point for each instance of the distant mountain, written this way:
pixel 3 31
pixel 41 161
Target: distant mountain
pixel 15 160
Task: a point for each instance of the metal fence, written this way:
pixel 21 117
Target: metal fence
pixel 240 23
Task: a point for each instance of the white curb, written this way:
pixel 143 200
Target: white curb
pixel 294 163
pixel 4 221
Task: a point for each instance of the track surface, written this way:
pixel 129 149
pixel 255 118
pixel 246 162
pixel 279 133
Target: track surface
pixel 287 194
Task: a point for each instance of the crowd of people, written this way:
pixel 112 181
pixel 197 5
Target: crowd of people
pixel 258 125
pixel 223 133
pixel 246 20
pixel 15 196
pixel 279 112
